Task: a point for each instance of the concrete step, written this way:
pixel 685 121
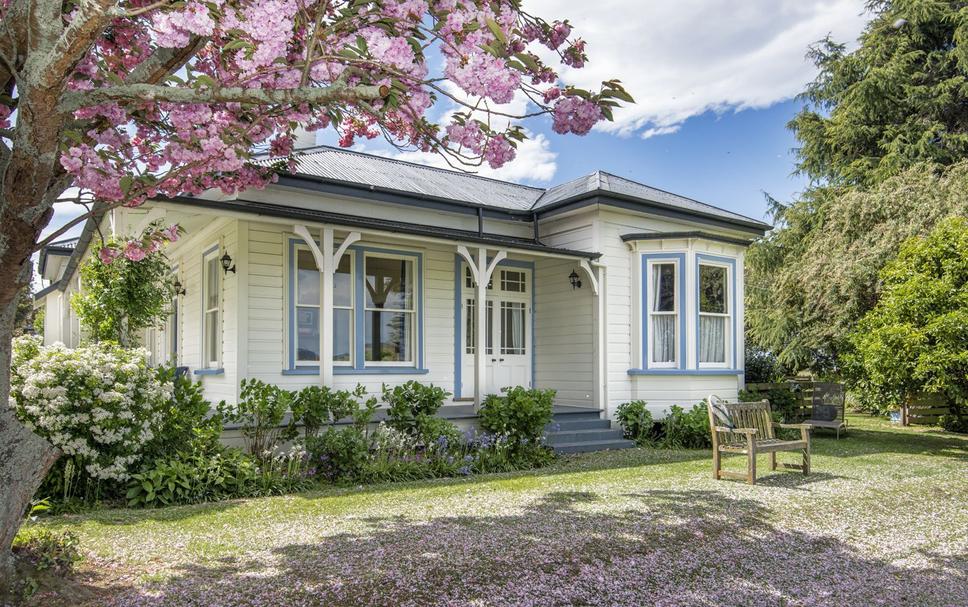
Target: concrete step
pixel 585 447
pixel 577 414
pixel 578 436
pixel 578 424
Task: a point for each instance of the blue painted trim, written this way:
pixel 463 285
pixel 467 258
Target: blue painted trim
pixel 685 371
pixel 644 308
pixel 458 308
pixel 351 371
pixel 359 314
pixel 731 262
pixel 208 371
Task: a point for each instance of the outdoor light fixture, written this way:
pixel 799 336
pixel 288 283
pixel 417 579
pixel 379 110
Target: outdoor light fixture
pixel 575 281
pixel 179 289
pixel 227 264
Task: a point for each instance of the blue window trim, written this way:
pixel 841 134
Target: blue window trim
pixel 359 366
pixel 680 258
pixel 721 261
pixel 459 264
pixel 219 371
pixel 685 372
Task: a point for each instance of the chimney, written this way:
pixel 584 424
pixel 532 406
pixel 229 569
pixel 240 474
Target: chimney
pixel 303 139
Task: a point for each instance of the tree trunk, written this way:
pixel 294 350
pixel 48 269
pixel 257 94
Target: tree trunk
pixel 25 457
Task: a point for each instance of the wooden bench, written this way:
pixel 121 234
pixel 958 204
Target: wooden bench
pixel 748 428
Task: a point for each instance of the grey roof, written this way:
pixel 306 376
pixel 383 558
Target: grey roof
pixel 77 246
pixel 356 169
pixel 57 247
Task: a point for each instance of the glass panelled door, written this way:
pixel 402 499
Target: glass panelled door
pixel 507 334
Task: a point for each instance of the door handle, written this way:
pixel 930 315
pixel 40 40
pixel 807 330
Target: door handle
pixel 501 360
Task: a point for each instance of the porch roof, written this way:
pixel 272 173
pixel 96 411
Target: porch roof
pixel 387 225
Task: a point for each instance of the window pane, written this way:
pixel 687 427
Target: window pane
pixel 664 287
pixel 211 279
pixel 470 324
pixel 211 336
pixel 388 336
pixel 712 339
pixel 712 289
pixel 307 280
pixel 512 328
pixel 342 332
pixel 307 334
pixel 389 283
pixel 512 281
pixel 343 283
pixel 664 338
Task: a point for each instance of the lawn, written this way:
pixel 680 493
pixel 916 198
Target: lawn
pixel 882 521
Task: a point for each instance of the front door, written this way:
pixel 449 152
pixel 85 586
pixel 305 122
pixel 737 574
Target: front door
pixel 508 333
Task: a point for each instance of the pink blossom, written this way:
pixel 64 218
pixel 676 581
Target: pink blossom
pixel 499 152
pixel 170 233
pixel 134 251
pixel 573 114
pixel 108 254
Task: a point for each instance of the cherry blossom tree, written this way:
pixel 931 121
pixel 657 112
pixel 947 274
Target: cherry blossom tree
pixel 126 100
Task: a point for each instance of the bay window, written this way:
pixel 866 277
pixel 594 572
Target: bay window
pixel 663 303
pixel 714 314
pixel 306 310
pixel 390 312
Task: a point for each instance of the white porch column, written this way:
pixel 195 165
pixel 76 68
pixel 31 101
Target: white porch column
pixel 597 280
pixel 481 271
pixel 326 261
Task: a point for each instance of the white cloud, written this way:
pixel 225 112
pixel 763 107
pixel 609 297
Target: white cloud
pixel 535 162
pixel 680 59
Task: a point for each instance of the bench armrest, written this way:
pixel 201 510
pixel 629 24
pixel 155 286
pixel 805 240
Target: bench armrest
pixel 795 426
pixel 735 430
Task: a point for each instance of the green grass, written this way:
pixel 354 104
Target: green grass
pixel 883 515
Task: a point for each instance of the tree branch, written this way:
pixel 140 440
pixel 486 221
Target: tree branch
pixel 89 20
pixel 334 93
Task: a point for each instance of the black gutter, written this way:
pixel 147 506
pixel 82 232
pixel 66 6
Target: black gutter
pixel 353 221
pixel 667 235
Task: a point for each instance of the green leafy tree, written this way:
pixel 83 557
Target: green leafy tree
pixel 810 281
pixel 120 297
pixel 916 337
pixel 897 100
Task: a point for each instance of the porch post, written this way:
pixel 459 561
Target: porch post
pixel 326 272
pixel 480 348
pixel 596 276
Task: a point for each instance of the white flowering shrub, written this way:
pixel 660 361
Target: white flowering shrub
pixel 98 403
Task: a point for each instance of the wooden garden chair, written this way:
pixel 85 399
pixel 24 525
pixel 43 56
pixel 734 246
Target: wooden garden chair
pixel 828 407
pixel 748 428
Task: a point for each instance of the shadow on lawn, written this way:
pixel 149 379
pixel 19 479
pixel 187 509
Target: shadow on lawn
pixel 569 548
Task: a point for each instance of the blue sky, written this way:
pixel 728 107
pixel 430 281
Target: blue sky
pixel 714 83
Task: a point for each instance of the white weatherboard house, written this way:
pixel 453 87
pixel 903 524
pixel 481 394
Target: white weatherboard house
pixel 359 269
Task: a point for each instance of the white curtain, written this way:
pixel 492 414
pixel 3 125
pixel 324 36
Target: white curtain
pixel 513 328
pixel 712 339
pixel 664 338
pixel 663 325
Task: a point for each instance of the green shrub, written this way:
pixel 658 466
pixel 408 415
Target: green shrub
pixel 761 366
pixel 207 477
pixel 188 420
pixel 47 549
pixel 431 430
pixel 686 429
pixel 339 454
pixel 635 419
pixel 410 402
pixel 521 414
pixel 318 406
pixel 260 412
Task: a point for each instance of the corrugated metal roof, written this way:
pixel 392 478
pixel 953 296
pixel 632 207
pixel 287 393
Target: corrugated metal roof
pixel 356 169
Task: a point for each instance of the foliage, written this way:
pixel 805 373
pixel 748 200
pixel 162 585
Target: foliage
pixel 48 549
pixel 810 281
pixel 189 478
pixel 260 412
pixel 686 429
pixel 431 429
pixel 916 337
pixel 410 402
pixel 783 401
pixel 27 319
pixel 761 366
pixel 98 403
pixel 123 296
pixel 521 414
pixel 189 423
pixel 339 454
pixel 317 406
pixel 635 419
pixel 892 102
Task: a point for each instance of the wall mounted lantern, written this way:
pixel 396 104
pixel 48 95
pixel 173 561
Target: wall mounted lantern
pixel 575 280
pixel 227 264
pixel 179 289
